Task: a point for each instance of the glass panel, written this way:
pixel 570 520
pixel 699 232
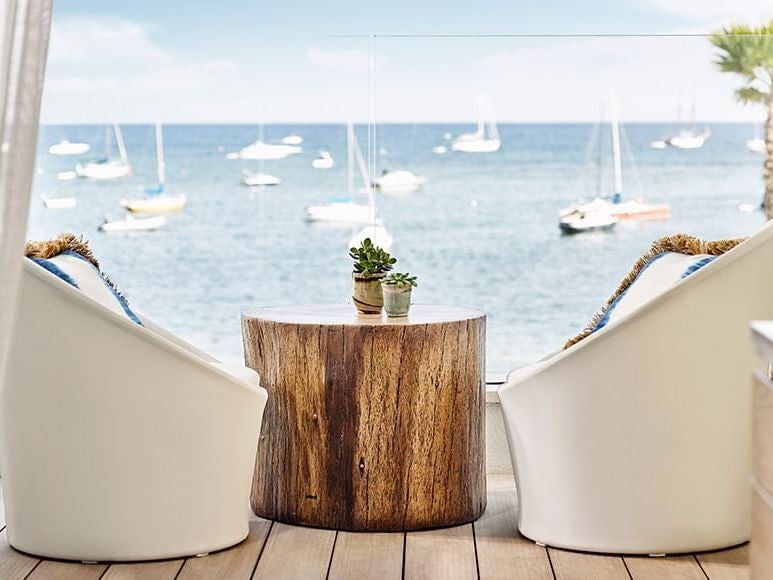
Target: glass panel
pixel 509 131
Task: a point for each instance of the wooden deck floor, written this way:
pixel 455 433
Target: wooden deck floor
pixel 488 549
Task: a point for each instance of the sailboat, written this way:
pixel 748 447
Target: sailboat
pixel 156 200
pixel 756 145
pixel 105 168
pixel 484 140
pixel 65 147
pixel 132 224
pixel 689 137
pixel 292 139
pixel 344 210
pixel 605 211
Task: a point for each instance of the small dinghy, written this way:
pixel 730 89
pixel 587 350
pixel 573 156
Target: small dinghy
pixel 399 181
pixel 324 161
pixel 132 224
pixel 589 221
pixel 58 202
pixel 65 147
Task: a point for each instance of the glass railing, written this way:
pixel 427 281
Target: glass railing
pixel 476 144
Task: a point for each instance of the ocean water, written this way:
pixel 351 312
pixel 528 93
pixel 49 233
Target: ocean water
pixel 483 231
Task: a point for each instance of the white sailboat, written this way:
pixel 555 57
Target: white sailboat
pixel 689 137
pixel 132 224
pixel 605 211
pixel 756 145
pixel 345 210
pixel 58 202
pixel 65 147
pixel 156 199
pixel 484 140
pixel 106 168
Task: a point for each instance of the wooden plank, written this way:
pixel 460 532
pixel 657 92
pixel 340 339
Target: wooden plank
pixel 166 570
pixel 235 563
pixel 502 551
pixel 577 566
pixel 293 552
pixel 669 568
pixel 51 570
pixel 14 565
pixel 726 565
pixel 358 556
pixel 445 554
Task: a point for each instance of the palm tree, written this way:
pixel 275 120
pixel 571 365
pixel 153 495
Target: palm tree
pixel 748 51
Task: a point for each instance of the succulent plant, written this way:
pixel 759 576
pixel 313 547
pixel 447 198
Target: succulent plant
pixel 370 260
pixel 400 279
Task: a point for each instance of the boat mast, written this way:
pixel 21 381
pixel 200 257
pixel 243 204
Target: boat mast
pixel 160 155
pixel 121 146
pixel 616 158
pixel 350 157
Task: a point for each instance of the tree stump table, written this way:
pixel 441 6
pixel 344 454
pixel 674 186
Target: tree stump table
pixel 372 423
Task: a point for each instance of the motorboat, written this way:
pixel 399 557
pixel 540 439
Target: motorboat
pixel 591 215
pixel 259 179
pixel 132 224
pixel 105 168
pixel 155 198
pixel 65 147
pixel 292 139
pixel 268 151
pixel 439 149
pixel 658 144
pixel 59 202
pixel 587 221
pixel 399 181
pixel 323 161
pixel 484 140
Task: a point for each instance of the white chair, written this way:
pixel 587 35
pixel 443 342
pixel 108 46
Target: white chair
pixel 120 442
pixel 637 439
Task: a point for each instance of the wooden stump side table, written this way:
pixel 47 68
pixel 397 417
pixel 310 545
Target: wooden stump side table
pixel 372 424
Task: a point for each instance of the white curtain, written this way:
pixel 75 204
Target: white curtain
pixel 25 27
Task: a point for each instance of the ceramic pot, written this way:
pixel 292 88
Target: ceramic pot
pixel 366 293
pixel 397 299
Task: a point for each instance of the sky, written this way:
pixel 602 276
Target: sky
pixel 397 61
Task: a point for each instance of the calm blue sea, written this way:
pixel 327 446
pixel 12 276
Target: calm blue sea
pixel 482 233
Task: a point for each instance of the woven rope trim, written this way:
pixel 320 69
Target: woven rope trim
pixel 48 249
pixel 679 243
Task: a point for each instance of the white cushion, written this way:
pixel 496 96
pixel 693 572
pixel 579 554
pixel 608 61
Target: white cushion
pixel 81 273
pixel 239 372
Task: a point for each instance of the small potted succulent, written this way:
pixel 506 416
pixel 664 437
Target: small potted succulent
pixel 371 264
pixel 397 293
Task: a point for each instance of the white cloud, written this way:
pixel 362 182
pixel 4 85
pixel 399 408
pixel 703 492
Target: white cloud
pixel 719 11
pixel 567 80
pixel 107 68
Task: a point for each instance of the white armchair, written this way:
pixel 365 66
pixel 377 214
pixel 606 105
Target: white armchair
pixel 637 439
pixel 120 442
